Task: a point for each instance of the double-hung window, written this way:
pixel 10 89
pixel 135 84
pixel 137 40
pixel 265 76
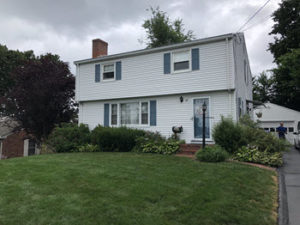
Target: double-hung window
pixel 108 72
pixel 145 112
pixel 181 61
pixel 114 114
pixel 132 113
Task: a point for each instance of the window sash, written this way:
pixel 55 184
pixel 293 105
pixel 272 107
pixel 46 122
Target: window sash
pixel 144 113
pixel 181 60
pixel 130 113
pixel 114 114
pixel 108 72
pixel 108 68
pixel 108 75
pixel 181 56
pixel 184 65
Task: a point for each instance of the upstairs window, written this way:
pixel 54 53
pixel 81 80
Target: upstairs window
pixel 109 72
pixel 181 61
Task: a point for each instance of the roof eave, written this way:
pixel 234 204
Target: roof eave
pixel 153 50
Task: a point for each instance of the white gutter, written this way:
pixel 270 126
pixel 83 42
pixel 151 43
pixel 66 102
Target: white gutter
pixel 152 50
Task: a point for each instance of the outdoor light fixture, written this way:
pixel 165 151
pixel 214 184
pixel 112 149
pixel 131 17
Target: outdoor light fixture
pixel 181 99
pixel 204 107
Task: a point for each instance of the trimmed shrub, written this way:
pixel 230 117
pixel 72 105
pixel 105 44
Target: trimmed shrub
pixel 212 154
pixel 262 140
pixel 167 147
pixel 155 143
pixel 232 136
pixel 253 154
pixel 228 135
pixel 265 142
pixel 68 137
pixel 119 139
pixel 153 137
pixel 88 148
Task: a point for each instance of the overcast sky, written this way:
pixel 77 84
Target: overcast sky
pixel 66 27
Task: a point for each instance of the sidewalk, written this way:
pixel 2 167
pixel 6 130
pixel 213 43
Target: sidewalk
pixel 290 188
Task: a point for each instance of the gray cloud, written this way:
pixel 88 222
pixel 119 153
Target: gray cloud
pixel 66 27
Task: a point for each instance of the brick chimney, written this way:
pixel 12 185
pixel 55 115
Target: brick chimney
pixel 99 48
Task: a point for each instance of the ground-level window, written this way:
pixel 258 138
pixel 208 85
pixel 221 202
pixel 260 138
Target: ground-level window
pixel 291 129
pixel 266 129
pixel 130 113
pixel 144 112
pixel 114 114
pixel 272 129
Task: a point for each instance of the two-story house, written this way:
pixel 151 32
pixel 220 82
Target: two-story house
pixel 158 88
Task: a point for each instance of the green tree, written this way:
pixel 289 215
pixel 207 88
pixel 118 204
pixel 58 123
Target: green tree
pixel 262 87
pixel 10 60
pixel 286 28
pixel 161 31
pixel 287 80
pixel 42 96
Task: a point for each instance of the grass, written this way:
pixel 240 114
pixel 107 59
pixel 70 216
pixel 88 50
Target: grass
pixel 129 188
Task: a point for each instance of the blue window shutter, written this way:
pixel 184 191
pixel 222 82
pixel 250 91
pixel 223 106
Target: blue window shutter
pixel 167 63
pixel 153 113
pixel 195 59
pixel 106 114
pixel 118 70
pixel 97 73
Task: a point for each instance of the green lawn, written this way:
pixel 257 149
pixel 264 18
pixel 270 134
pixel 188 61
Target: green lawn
pixel 128 188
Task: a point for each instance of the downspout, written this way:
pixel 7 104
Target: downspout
pixel 228 81
pixel 234 78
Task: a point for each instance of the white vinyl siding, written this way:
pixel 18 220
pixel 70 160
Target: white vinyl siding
pixel 143 75
pixel 170 112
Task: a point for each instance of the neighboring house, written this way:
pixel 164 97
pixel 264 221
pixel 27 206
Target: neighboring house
pixel 156 89
pixel 15 143
pixel 270 115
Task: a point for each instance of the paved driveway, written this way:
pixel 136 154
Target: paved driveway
pixel 291 179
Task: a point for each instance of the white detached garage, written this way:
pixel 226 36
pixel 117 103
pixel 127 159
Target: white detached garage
pixel 270 115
